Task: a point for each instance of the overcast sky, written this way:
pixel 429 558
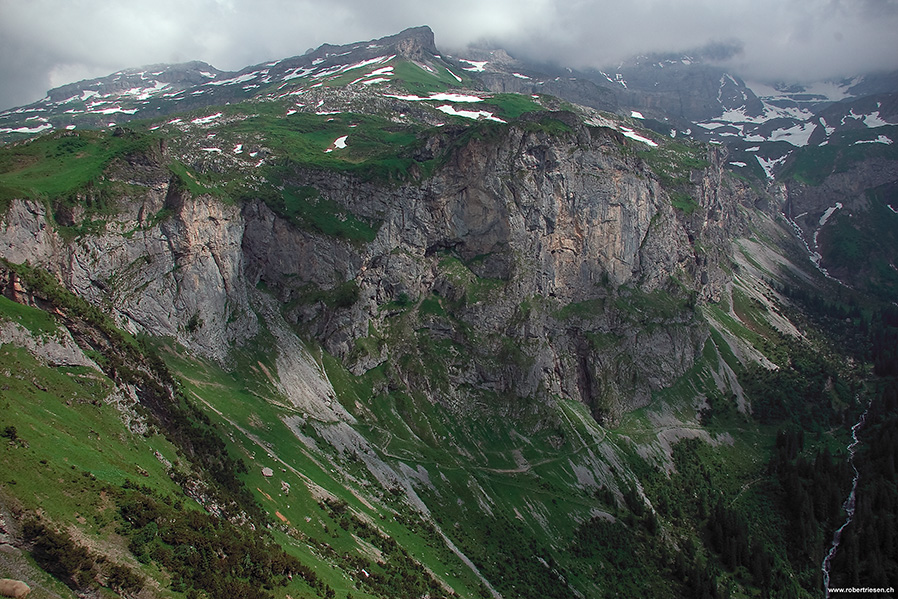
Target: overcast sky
pixel 47 43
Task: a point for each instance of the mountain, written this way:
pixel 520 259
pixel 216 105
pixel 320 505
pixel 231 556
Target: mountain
pixel 377 321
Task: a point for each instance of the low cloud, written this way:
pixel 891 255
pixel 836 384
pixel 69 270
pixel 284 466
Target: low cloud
pixel 46 43
pixel 775 40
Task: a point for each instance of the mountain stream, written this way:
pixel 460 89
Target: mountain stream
pixel 848 506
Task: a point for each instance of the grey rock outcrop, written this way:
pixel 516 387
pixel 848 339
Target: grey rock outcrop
pixel 563 265
pixel 179 276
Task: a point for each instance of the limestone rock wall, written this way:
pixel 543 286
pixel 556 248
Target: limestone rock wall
pixel 553 221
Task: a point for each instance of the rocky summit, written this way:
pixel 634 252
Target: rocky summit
pixel 380 321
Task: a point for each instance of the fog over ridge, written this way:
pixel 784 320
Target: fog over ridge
pixel 47 43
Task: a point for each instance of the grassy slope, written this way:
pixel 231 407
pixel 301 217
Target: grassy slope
pixel 813 164
pixel 76 449
pixel 245 403
pixel 60 164
pixel 73 458
pixel 863 247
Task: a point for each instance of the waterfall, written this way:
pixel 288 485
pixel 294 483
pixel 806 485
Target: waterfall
pixel 848 506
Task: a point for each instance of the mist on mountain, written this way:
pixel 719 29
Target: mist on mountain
pixel 48 43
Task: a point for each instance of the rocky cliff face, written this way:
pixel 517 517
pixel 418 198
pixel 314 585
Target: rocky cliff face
pixel 177 276
pixel 531 264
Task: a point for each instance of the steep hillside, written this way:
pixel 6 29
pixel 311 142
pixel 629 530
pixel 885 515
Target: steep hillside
pixel 416 340
pixel 841 198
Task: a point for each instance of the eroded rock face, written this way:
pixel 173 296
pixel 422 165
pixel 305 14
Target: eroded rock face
pixel 168 264
pixel 557 262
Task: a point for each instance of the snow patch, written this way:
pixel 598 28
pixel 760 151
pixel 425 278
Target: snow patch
pixel 797 136
pixel 338 144
pixel 375 73
pixel 469 114
pixel 873 120
pixel 143 93
pixel 618 78
pixel 238 79
pixel 738 115
pixel 882 139
pixel 113 110
pixel 476 67
pixel 238 149
pixel 737 163
pixel 852 116
pixel 344 68
pixel 636 114
pixel 520 76
pixel 712 125
pixel 298 73
pixel 443 97
pixel 633 135
pixel 457 78
pixel 204 120
pixel 769 164
pixel 38 129
pixel 218 150
pixel 440 97
pixel 829 212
